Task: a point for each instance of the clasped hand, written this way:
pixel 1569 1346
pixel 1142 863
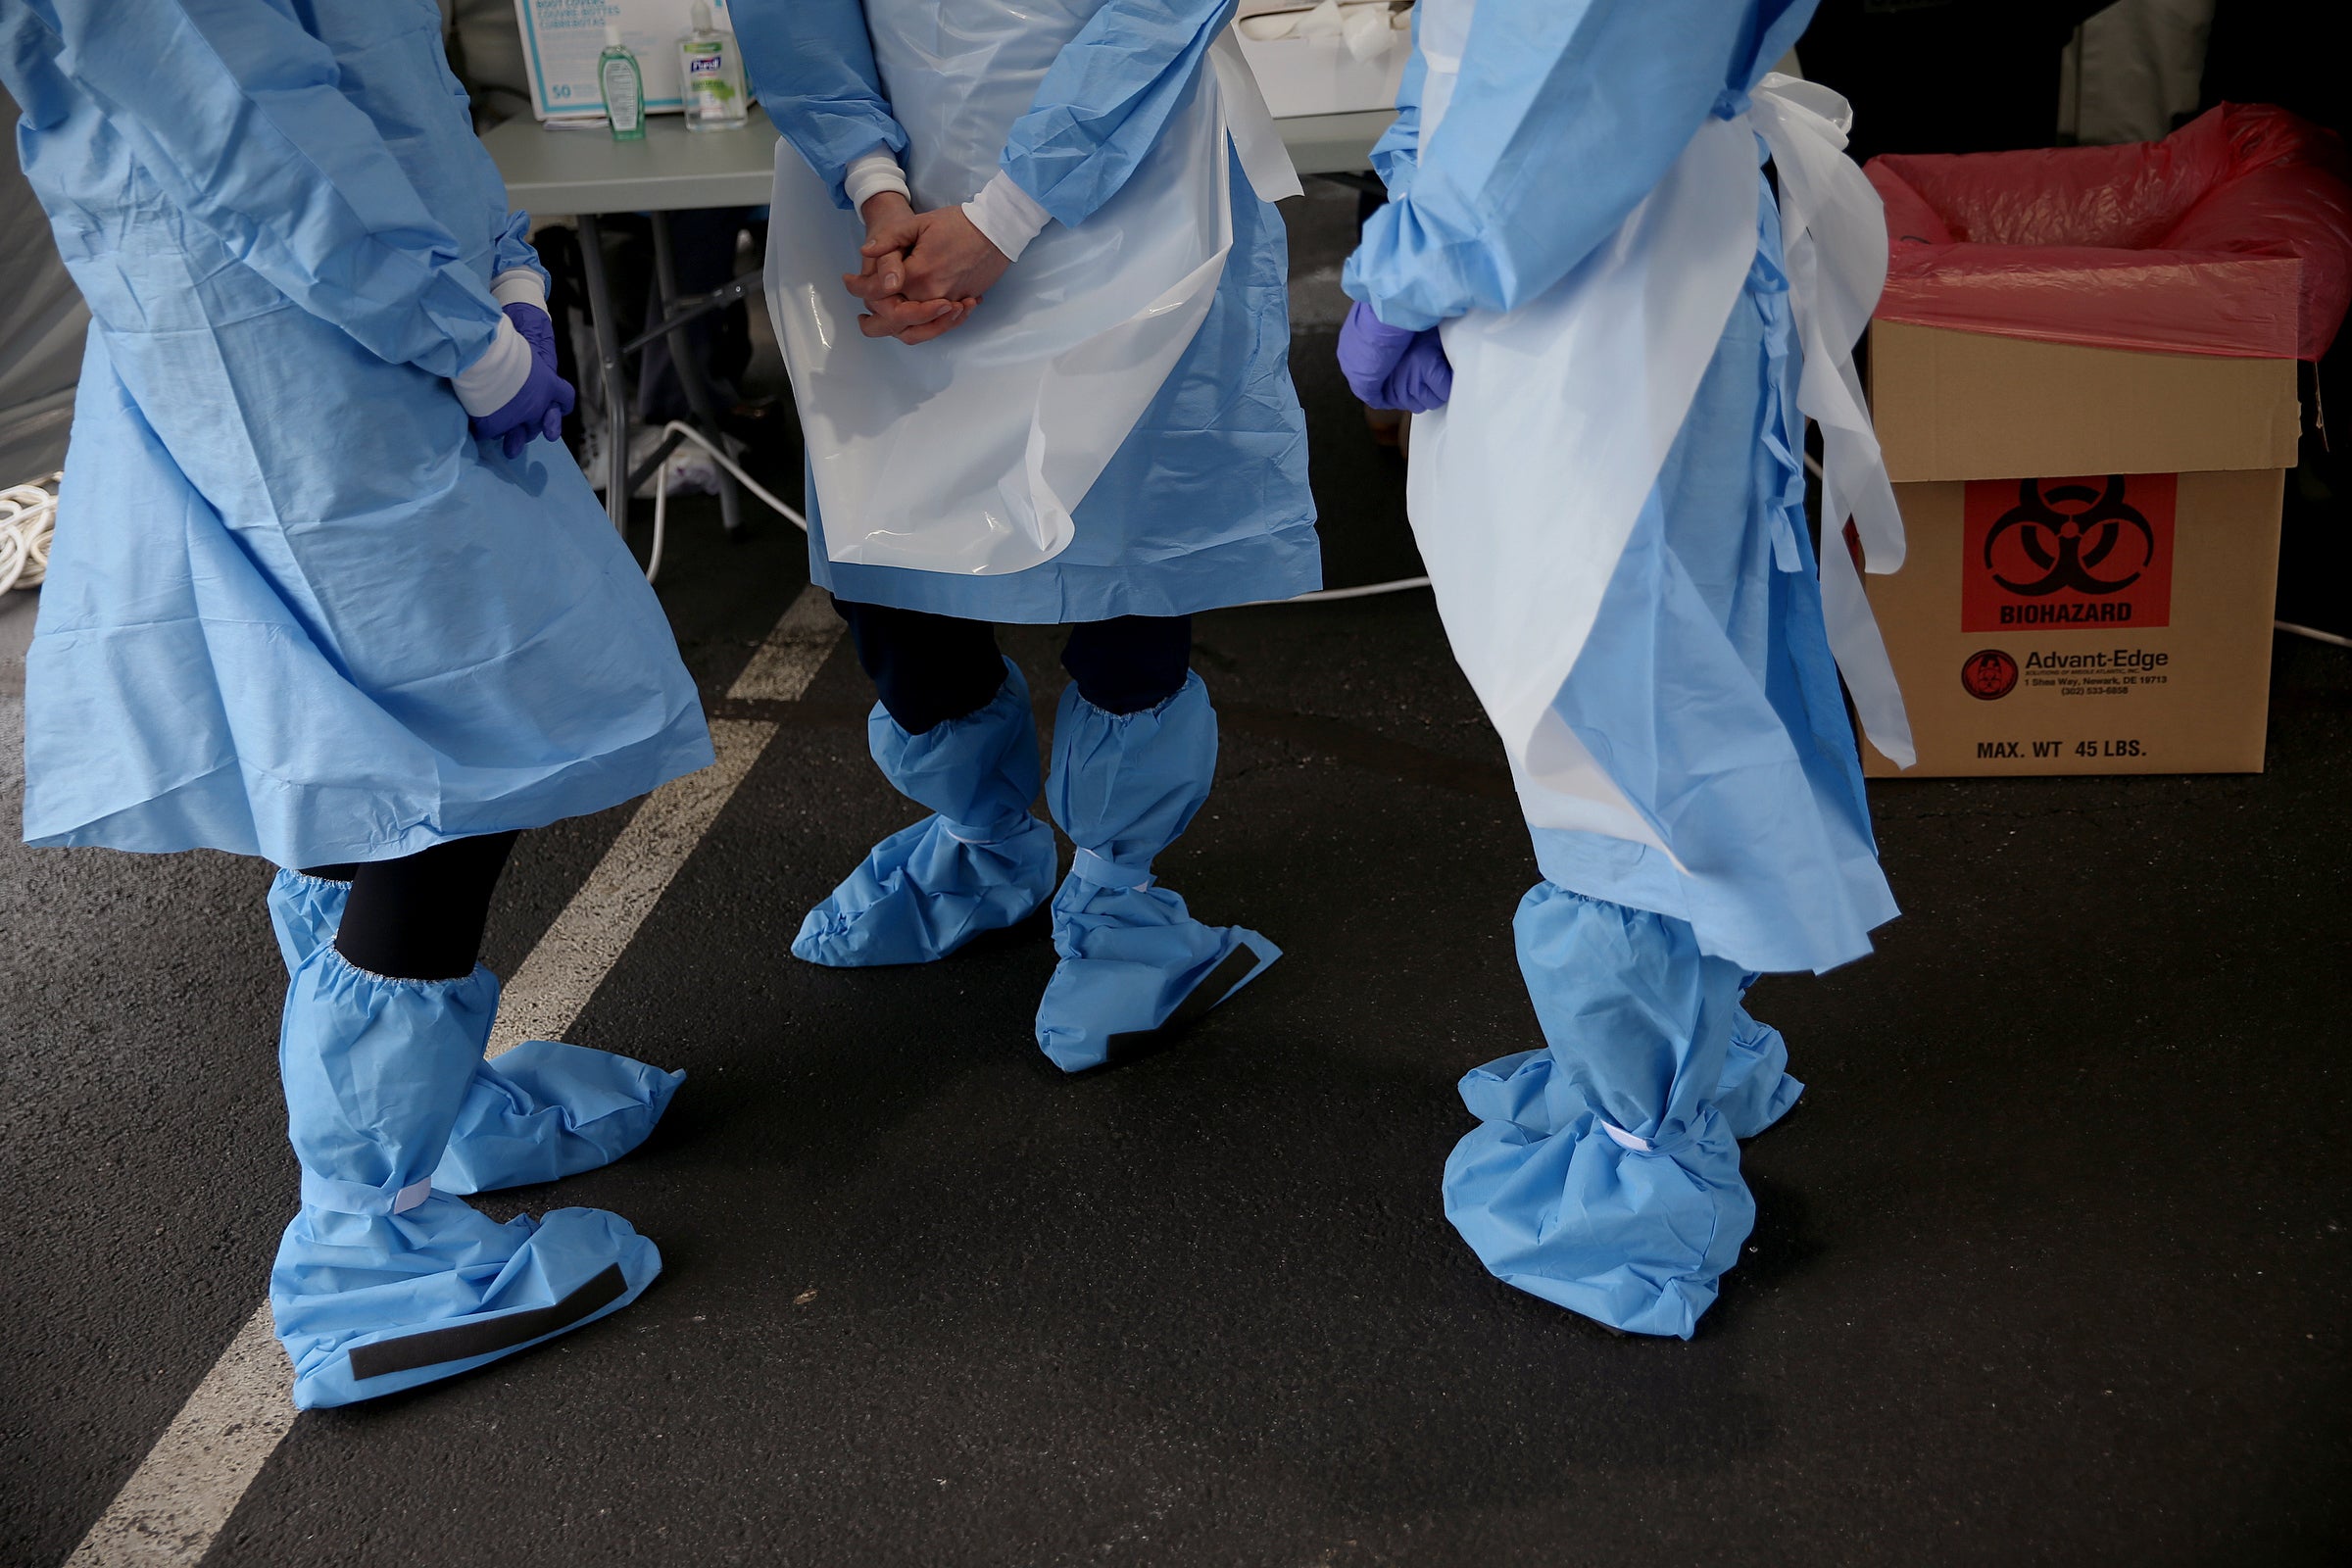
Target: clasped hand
pixel 921 274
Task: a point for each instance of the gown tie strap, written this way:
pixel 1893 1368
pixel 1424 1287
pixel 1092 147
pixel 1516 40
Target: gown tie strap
pixel 1833 235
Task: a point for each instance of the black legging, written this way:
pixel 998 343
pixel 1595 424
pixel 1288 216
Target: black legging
pixel 930 668
pixel 420 917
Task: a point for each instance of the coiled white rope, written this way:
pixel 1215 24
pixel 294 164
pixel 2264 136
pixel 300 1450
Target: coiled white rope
pixel 28 522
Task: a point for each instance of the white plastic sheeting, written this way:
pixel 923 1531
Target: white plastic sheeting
pixel 2134 72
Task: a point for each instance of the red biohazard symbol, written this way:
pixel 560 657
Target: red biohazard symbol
pixel 2070 531
pixel 2095 553
pixel 1989 674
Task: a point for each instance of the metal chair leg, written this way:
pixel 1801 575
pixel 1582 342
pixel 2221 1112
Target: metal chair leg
pixel 699 396
pixel 609 357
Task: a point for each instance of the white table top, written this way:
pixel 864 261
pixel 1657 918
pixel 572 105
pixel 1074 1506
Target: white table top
pixel 552 172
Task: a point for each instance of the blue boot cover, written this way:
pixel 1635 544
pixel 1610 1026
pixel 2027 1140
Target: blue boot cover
pixel 541 1112
pixel 546 1110
pixel 1756 1089
pixel 381 1283
pixel 303 913
pixel 980 863
pixel 1133 959
pixel 1603 1178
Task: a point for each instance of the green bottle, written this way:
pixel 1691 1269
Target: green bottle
pixel 623 84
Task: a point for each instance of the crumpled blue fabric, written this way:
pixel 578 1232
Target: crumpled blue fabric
pixel 375 1074
pixel 1207 502
pixel 546 1109
pixel 1756 1090
pixel 539 1113
pixel 980 862
pixel 305 912
pixel 295 609
pixel 1632 1227
pixel 1705 689
pixel 1124 786
pixel 1613 92
pixel 1708 686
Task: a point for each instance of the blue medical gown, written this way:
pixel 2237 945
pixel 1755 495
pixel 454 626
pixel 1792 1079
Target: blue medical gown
pixel 1205 504
pixel 294 608
pixel 1707 687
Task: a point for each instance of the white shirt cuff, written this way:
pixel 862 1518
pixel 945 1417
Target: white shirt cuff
pixel 519 285
pixel 870 176
pixel 487 384
pixel 1008 215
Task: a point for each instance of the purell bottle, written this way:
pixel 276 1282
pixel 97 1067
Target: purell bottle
pixel 711 75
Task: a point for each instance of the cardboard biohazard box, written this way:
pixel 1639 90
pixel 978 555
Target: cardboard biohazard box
pixel 2093 550
pixel 2083 371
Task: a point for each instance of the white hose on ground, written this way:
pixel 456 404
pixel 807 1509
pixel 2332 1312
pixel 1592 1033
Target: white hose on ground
pixel 1323 596
pixel 2312 633
pixel 680 427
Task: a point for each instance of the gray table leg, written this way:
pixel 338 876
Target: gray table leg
pixel 689 365
pixel 617 391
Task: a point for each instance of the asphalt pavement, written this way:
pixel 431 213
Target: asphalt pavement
pixel 2049 1266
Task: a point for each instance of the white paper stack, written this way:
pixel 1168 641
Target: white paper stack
pixel 1328 57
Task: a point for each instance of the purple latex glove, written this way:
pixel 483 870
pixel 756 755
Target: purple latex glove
pixel 539 407
pixel 1393 366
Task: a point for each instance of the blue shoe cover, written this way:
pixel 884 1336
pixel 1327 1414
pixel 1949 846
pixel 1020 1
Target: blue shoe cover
pixel 1134 961
pixel 1602 1177
pixel 981 862
pixel 546 1110
pixel 1756 1090
pixel 1135 964
pixel 539 1113
pixel 303 913
pixel 381 1284
pixel 369 1304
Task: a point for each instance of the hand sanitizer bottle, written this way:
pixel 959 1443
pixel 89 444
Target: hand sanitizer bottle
pixel 623 84
pixel 711 74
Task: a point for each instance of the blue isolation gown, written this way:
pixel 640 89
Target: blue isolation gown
pixel 1606 1176
pixel 294 608
pixel 1205 504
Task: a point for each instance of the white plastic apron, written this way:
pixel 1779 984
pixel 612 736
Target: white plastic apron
pixel 968 454
pixel 1526 486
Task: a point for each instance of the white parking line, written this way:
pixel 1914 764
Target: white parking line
pixel 189 1484
pixel 575 954
pixel 793 653
pixel 182 1493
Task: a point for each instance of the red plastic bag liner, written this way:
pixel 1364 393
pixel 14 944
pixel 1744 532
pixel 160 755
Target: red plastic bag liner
pixel 2232 236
